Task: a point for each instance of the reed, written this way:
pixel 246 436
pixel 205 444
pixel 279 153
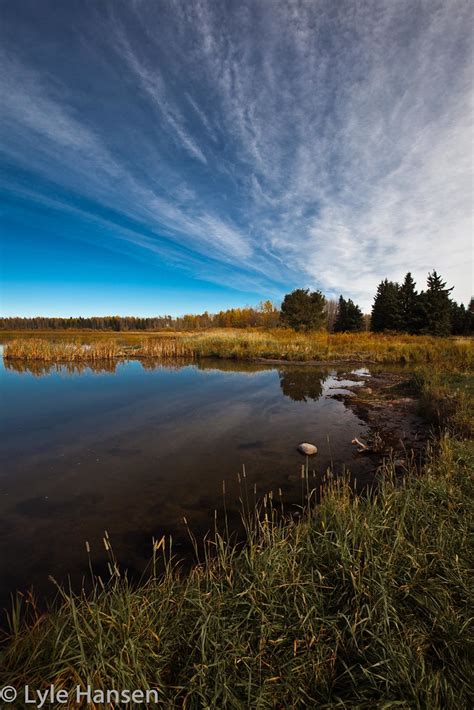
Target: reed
pixel 277 344
pixel 52 351
pixel 164 349
pixel 287 345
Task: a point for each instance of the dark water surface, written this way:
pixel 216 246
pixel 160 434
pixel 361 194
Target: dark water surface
pixel 134 449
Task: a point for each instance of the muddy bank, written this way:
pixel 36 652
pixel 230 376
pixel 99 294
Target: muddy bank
pixel 387 404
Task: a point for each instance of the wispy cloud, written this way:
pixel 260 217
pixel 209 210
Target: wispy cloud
pixel 292 142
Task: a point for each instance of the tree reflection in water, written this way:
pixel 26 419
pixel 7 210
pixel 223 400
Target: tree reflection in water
pixel 302 384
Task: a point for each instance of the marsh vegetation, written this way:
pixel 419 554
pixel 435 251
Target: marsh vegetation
pixel 276 344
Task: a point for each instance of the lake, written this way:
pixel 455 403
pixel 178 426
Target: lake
pixel 134 447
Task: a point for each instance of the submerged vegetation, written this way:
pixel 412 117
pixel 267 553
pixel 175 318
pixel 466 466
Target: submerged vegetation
pixel 276 344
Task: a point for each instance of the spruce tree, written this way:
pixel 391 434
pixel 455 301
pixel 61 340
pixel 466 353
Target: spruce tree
pixel 341 317
pixel 438 306
pixel 470 318
pixel 459 319
pixel 349 317
pixel 355 317
pixel 411 309
pixel 462 319
pixel 386 311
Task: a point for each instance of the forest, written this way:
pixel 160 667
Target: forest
pixel 397 308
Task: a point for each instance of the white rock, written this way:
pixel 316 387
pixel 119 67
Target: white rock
pixel 307 449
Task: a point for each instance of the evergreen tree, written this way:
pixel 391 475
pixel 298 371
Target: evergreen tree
pixel 341 317
pixel 349 317
pixel 355 317
pixel 459 317
pixel 437 305
pixel 386 311
pixel 462 319
pixel 470 318
pixel 411 307
pixel 303 310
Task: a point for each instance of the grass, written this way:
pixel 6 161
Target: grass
pixel 45 350
pixel 277 344
pixel 51 351
pixel 364 601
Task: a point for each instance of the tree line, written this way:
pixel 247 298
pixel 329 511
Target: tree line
pixel 429 312
pixel 266 315
pixel 396 308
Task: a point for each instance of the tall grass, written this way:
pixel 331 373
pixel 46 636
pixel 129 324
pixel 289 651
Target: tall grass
pixel 277 344
pixel 51 351
pixel 283 344
pixel 363 602
pixel 166 348
pixel 109 349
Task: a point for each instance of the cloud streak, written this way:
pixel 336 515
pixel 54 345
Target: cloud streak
pixel 263 145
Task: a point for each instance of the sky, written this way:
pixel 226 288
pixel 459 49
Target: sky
pixel 176 156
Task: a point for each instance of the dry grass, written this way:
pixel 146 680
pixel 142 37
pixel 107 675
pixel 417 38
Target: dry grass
pixel 277 344
pixel 287 345
pixel 44 350
pixel 51 351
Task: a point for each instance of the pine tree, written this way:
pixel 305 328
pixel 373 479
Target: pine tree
pixel 438 306
pixel 303 310
pixel 386 311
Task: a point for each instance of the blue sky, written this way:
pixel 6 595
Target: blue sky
pixel 170 157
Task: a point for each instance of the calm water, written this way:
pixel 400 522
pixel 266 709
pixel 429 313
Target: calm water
pixel 134 449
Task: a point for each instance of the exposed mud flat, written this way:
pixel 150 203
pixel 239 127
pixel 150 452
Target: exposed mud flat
pixel 383 401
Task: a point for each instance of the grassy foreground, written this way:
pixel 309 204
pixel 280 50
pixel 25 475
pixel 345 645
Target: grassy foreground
pixel 277 344
pixel 362 602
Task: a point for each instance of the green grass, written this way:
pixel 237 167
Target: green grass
pixel 364 601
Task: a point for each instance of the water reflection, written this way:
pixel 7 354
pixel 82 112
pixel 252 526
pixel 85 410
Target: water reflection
pixel 297 383
pixel 135 452
pixel 41 368
pixel 302 384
